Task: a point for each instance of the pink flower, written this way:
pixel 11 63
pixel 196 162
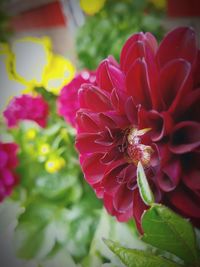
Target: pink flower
pixel 67 103
pixel 8 163
pixel 26 107
pixel 144 109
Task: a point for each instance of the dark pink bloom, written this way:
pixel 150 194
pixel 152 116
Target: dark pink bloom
pixel 26 107
pixel 144 109
pixel 8 163
pixel 67 103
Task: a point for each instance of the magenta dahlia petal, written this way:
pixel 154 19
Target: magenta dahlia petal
pixel 135 47
pixel 185 137
pixel 118 99
pixel 90 97
pixel 121 217
pixel 9 161
pixel 26 107
pixel 137 84
pixel 123 198
pixel 93 168
pixel 131 111
pixel 179 43
pixel 189 106
pixel 191 179
pixel 109 76
pixel 186 202
pixel 161 124
pixel 170 176
pixel 144 110
pixel 87 122
pixel 86 143
pixel 174 82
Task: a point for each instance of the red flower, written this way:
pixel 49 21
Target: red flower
pixel 144 109
pixel 67 103
pixel 26 107
pixel 8 163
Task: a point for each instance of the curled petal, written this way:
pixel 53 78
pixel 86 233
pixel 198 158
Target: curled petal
pixel 113 119
pixel 131 111
pixel 118 99
pixel 174 82
pixel 109 181
pixel 109 76
pixel 87 122
pixel 112 155
pixel 127 175
pixel 160 123
pixel 137 83
pixel 185 137
pixel 93 168
pixel 169 177
pixel 90 97
pixel 121 216
pixel 179 43
pixel 135 48
pixel 123 198
pixel 85 143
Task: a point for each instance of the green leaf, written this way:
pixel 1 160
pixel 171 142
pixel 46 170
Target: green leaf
pixel 168 231
pixel 144 188
pixel 138 258
pixel 59 186
pixel 39 228
pixel 59 259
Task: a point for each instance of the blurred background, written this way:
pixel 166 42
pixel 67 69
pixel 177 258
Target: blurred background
pixel 51 216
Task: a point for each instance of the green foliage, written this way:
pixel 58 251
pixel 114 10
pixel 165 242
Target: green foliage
pixel 105 33
pixel 138 258
pixel 168 231
pixel 5 30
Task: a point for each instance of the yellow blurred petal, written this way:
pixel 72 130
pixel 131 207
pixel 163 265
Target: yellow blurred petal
pixel 9 86
pixel 159 4
pixel 91 7
pixel 58 73
pixel 31 134
pixel 31 57
pixel 44 149
pixel 4 48
pixel 55 164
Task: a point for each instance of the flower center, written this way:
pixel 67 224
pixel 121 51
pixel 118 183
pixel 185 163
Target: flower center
pixel 136 150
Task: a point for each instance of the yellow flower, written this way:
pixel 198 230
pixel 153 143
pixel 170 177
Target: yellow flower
pixel 31 134
pixel 92 7
pixel 159 4
pixel 58 73
pixel 55 164
pixel 9 86
pixel 44 149
pixel 35 65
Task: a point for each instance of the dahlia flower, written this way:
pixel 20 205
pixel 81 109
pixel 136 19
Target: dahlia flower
pixel 145 109
pixel 67 103
pixel 8 163
pixel 26 107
